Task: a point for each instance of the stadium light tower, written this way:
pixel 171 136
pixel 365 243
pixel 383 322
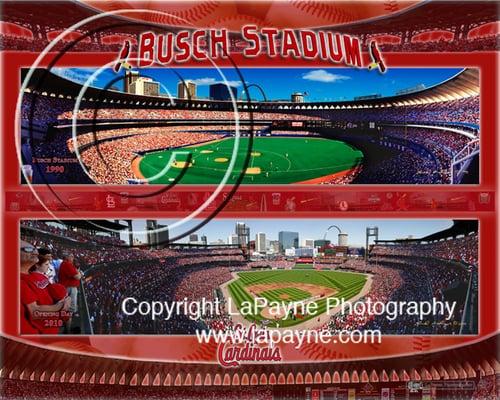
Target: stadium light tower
pixel 370 232
pixel 130 232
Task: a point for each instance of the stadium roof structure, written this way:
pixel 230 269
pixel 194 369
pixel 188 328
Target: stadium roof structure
pixel 99 225
pixel 59 14
pixel 459 227
pixel 28 362
pixel 424 16
pixel 43 82
pixel 90 225
pixel 103 226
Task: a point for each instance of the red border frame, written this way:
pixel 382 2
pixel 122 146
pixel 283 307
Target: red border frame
pixel 176 347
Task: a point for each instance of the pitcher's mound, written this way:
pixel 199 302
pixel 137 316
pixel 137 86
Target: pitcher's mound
pixel 284 296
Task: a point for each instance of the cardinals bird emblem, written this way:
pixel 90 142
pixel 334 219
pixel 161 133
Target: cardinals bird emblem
pixel 122 58
pixel 377 60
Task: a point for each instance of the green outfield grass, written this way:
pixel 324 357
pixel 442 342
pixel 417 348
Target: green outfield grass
pixel 274 160
pixel 346 284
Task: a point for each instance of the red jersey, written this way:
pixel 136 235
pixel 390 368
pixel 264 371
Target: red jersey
pixel 34 289
pixel 67 271
pixel 28 296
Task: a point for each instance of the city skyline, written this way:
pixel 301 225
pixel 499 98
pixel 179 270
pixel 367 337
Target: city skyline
pixel 221 229
pixel 321 84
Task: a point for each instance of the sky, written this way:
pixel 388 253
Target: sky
pixel 334 84
pixel 308 228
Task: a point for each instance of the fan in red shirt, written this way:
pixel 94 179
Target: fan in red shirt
pixel 69 277
pixel 35 297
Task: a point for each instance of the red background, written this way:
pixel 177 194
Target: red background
pixel 185 348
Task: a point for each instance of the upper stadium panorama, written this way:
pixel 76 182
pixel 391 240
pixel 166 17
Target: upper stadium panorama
pixel 428 136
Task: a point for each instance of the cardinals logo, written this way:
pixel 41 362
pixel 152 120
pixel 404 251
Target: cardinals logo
pixel 122 58
pixel 377 60
pixel 39 280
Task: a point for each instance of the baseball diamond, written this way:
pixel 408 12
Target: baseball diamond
pixel 289 286
pixel 273 160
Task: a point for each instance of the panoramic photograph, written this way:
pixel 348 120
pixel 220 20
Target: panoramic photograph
pixel 122 277
pixel 271 126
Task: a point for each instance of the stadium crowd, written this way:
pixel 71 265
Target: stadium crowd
pixel 403 166
pixel 47 110
pixel 11 42
pixel 281 264
pixel 404 272
pixel 113 272
pixel 402 280
pixel 88 251
pixel 115 165
pixel 465 110
pixel 84 139
pixel 437 140
pixel 23 389
pixel 479 43
pixel 485 388
pixel 424 158
pixel 463 249
pixel 424 280
pixel 442 144
pixel 63 231
pixel 465 45
pixel 427 163
pixel 130 114
pixel 412 155
pixel 155 280
pixel 43 110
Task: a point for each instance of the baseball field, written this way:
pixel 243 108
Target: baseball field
pixel 289 286
pixel 273 160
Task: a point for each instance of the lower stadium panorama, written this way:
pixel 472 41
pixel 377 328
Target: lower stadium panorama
pixel 429 136
pixel 442 266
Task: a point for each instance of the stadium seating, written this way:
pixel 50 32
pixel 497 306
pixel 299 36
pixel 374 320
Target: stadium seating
pixel 19 389
pixel 399 272
pixel 115 165
pixel 416 272
pixel 463 249
pixel 425 159
pixel 461 110
pixel 49 110
pixel 465 45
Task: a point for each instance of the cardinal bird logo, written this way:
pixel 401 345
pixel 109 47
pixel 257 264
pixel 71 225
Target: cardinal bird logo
pixel 122 58
pixel 377 60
